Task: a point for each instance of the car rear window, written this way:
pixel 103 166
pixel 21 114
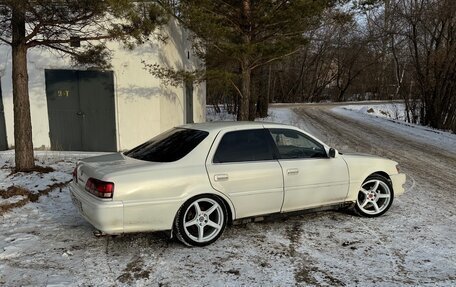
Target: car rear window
pixel 169 146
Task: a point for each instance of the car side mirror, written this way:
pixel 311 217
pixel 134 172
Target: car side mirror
pixel 332 153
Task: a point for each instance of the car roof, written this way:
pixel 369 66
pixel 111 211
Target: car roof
pixel 220 125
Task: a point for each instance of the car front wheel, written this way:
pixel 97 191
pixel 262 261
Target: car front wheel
pixel 201 221
pixel 375 196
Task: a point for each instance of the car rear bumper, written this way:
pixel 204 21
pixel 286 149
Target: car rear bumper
pixel 106 216
pixel 398 181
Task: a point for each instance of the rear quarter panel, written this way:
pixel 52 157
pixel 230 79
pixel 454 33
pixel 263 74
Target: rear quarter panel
pixel 153 196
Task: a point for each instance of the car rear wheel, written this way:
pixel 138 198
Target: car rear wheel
pixel 201 221
pixel 375 196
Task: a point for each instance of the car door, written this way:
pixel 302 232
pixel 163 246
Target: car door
pixel 311 178
pixel 242 164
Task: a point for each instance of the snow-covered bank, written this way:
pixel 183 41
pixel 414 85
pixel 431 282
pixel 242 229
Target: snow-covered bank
pixel 393 111
pixel 391 117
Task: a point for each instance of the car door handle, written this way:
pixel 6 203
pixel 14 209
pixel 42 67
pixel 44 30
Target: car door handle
pixel 220 177
pixel 292 171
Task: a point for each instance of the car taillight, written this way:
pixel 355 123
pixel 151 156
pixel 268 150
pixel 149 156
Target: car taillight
pixel 100 188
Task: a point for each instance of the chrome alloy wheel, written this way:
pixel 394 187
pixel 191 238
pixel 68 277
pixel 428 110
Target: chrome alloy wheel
pixel 203 220
pixel 374 197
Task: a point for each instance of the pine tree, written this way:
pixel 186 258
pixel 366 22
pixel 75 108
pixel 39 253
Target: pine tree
pixel 74 28
pixel 247 34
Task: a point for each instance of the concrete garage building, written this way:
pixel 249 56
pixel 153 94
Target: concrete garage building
pixel 83 109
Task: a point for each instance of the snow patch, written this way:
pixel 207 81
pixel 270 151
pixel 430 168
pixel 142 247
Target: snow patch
pixel 394 111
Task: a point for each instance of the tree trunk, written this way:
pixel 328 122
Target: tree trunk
pixel 253 101
pixel 22 123
pixel 246 72
pixel 263 98
pixel 245 100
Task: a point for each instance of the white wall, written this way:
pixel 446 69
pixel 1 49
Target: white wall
pixel 145 106
pixel 174 54
pixel 38 61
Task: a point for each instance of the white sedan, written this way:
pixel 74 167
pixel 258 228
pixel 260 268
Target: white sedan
pixel 195 179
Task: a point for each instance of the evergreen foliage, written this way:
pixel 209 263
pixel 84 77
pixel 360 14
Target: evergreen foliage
pixel 236 37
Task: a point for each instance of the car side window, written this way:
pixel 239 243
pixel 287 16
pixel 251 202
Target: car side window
pixel 292 144
pixel 245 145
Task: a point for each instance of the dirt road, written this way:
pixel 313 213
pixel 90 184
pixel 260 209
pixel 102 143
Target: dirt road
pixel 423 161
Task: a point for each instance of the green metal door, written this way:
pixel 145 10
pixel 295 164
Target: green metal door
pixel 65 124
pixel 81 110
pixel 3 140
pixel 96 91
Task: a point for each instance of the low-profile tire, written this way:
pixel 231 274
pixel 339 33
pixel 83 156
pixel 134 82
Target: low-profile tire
pixel 201 220
pixel 374 197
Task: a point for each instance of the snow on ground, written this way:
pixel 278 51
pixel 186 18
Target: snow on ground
pixel 47 243
pixel 394 111
pixel 35 181
pixel 391 116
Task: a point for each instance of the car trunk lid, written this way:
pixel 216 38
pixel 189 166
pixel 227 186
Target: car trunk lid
pixel 100 167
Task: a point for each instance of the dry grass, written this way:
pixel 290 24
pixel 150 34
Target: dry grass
pixel 27 194
pixel 36 168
